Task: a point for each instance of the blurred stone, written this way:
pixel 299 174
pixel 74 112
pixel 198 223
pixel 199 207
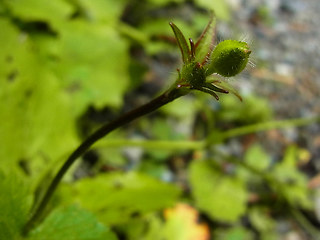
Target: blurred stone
pixel 292 236
pixel 284 69
pixel 134 154
pixel 234 4
pixel 273 5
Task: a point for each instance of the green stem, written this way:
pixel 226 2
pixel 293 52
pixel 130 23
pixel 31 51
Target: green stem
pixel 199 145
pixel 268 126
pixel 149 107
pixel 151 144
pixel 309 228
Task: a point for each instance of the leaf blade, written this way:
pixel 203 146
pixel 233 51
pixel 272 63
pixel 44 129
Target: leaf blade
pixel 71 223
pixel 145 193
pixel 222 198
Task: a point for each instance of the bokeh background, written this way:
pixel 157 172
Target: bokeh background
pixel 195 169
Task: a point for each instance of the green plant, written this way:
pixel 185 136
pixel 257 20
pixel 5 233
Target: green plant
pixel 53 72
pixel 199 62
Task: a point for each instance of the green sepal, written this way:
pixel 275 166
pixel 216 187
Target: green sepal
pixel 205 43
pixel 227 87
pixel 214 88
pixel 182 43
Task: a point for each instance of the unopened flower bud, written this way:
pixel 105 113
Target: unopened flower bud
pixel 228 58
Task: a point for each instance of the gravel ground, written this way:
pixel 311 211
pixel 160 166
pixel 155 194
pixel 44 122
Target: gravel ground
pixel 286 39
pixel 285 35
pixel 287 52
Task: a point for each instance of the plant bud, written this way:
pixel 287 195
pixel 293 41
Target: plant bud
pixel 228 58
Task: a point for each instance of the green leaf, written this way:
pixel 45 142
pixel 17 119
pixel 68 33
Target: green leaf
pixel 257 158
pixel 291 183
pixel 85 66
pixel 115 197
pixel 235 233
pixel 182 43
pixel 38 10
pixel 178 223
pixel 88 68
pixel 14 203
pixel 37 121
pixel 220 7
pixel 222 197
pixel 101 10
pixel 71 223
pixel 138 230
pixel 258 161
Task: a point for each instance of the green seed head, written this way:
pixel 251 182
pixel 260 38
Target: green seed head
pixel 229 58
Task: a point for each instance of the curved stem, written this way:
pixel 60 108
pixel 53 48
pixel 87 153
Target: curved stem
pixel 149 107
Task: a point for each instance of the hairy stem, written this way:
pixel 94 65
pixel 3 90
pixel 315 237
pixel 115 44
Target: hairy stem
pixel 149 107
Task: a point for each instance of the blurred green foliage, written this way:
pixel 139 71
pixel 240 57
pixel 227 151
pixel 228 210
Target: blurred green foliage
pixel 15 203
pixel 146 194
pixel 60 58
pixel 71 223
pixel 221 192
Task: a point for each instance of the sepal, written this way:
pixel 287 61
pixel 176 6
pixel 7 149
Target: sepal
pixel 182 43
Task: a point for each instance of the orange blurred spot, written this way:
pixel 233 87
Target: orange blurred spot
pixel 186 217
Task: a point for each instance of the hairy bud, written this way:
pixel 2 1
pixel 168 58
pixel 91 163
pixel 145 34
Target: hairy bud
pixel 228 58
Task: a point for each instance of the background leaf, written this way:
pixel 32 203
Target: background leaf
pixel 256 157
pixel 178 223
pixel 115 197
pixel 30 122
pixel 15 202
pixel 220 7
pixel 71 223
pixel 182 224
pixel 96 10
pixel 38 10
pixel 291 183
pixel 221 197
pixel 88 68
